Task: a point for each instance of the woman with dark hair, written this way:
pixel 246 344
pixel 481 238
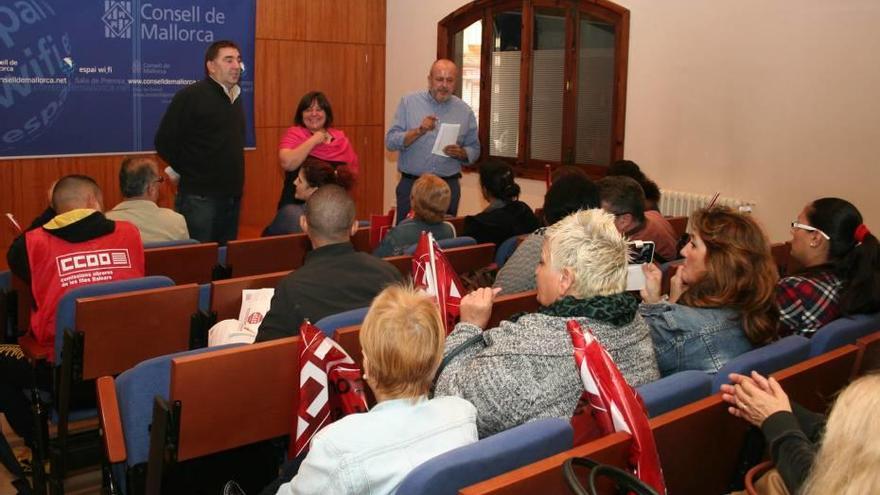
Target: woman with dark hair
pixel 629 168
pixel 311 135
pixel 312 174
pixel 721 301
pixel 574 193
pixel 842 268
pixel 505 216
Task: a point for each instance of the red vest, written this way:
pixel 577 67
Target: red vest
pixel 58 266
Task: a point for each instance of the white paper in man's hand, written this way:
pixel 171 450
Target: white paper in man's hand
pixel 448 134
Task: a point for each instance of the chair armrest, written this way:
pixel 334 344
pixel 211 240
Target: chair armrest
pixel 755 473
pixel 111 423
pixel 34 350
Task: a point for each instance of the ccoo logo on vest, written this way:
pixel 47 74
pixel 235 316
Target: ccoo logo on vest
pixel 92 261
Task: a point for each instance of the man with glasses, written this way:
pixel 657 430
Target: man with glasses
pixel 625 199
pixel 141 183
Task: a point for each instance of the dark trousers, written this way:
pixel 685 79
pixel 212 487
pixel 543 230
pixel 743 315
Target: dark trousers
pixel 404 187
pixel 210 219
pixel 16 377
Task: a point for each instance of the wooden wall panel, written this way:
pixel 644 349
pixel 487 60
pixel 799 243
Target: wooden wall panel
pixel 336 46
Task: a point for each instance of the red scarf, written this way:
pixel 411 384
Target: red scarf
pixel 337 150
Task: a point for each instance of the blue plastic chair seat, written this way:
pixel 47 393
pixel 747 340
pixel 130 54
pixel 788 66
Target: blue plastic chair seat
pixel 843 331
pixel 329 324
pixel 491 456
pixel 674 391
pixel 765 360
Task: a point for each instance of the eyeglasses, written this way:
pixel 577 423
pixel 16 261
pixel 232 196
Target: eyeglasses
pixel 809 228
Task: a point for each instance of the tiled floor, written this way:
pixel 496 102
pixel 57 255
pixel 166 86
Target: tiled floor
pixel 85 482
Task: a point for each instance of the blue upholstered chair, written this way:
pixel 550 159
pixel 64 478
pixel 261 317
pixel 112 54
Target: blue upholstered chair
pixel 329 324
pixel 505 250
pixel 843 331
pixel 452 242
pixel 674 391
pixel 491 456
pixel 68 371
pixel 135 390
pixel 765 360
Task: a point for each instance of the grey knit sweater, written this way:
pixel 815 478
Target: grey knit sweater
pixel 527 371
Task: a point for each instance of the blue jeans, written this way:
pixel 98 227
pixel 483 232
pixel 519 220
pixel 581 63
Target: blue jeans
pixel 210 219
pixel 404 187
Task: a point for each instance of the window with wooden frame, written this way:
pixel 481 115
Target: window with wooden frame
pixel 546 79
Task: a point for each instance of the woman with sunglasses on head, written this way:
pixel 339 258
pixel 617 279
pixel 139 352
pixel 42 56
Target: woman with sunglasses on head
pixel 720 302
pixel 842 268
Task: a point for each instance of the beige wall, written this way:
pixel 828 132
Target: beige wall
pixel 775 102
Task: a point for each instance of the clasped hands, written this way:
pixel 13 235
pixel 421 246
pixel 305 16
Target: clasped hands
pixel 754 398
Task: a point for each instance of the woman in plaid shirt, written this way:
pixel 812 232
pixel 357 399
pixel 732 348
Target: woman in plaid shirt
pixel 842 268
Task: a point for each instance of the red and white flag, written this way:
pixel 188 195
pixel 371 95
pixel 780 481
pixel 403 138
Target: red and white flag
pixel 379 227
pixel 432 273
pixel 615 406
pixel 330 386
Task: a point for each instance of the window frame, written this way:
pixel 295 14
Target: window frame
pixel 603 10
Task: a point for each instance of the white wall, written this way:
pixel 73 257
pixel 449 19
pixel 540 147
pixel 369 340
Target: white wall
pixel 770 101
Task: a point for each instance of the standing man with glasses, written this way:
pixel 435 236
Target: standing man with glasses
pixel 202 137
pixel 418 121
pixel 140 183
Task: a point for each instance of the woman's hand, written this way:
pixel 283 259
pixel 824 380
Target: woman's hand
pixel 677 286
pixel 653 276
pixel 476 307
pixel 321 136
pixel 754 399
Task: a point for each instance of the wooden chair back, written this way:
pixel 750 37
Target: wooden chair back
pixel 814 383
pixel 185 264
pixel 469 258
pixel 121 330
pixel 235 396
pixel 361 240
pixel 679 224
pixel 266 254
pixel 869 354
pixel 505 306
pixel 226 294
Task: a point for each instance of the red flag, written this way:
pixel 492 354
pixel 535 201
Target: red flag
pixel 379 227
pixel 432 272
pixel 615 405
pixel 330 386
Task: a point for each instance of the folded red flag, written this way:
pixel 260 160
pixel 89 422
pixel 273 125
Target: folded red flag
pixel 615 405
pixel 330 386
pixel 432 272
pixel 379 227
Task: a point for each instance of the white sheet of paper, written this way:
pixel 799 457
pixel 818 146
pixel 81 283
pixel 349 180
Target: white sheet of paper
pixel 448 134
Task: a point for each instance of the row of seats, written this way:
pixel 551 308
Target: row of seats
pixel 698 444
pixel 197 389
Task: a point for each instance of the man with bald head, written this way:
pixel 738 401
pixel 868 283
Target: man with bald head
pixel 334 277
pixel 77 247
pixel 416 123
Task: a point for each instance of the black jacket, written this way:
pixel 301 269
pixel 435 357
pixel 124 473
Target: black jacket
pixel 793 438
pixel 333 279
pixel 498 224
pixel 202 137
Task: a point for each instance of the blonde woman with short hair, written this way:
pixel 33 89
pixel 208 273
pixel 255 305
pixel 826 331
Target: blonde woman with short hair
pixel 524 369
pixel 402 340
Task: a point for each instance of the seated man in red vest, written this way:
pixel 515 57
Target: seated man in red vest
pixel 79 246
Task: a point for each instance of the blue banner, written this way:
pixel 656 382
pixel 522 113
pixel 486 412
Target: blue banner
pixel 95 76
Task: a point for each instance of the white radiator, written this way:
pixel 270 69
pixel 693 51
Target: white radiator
pixel 682 204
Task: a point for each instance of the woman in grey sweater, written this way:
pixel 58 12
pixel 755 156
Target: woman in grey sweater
pixel 524 369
